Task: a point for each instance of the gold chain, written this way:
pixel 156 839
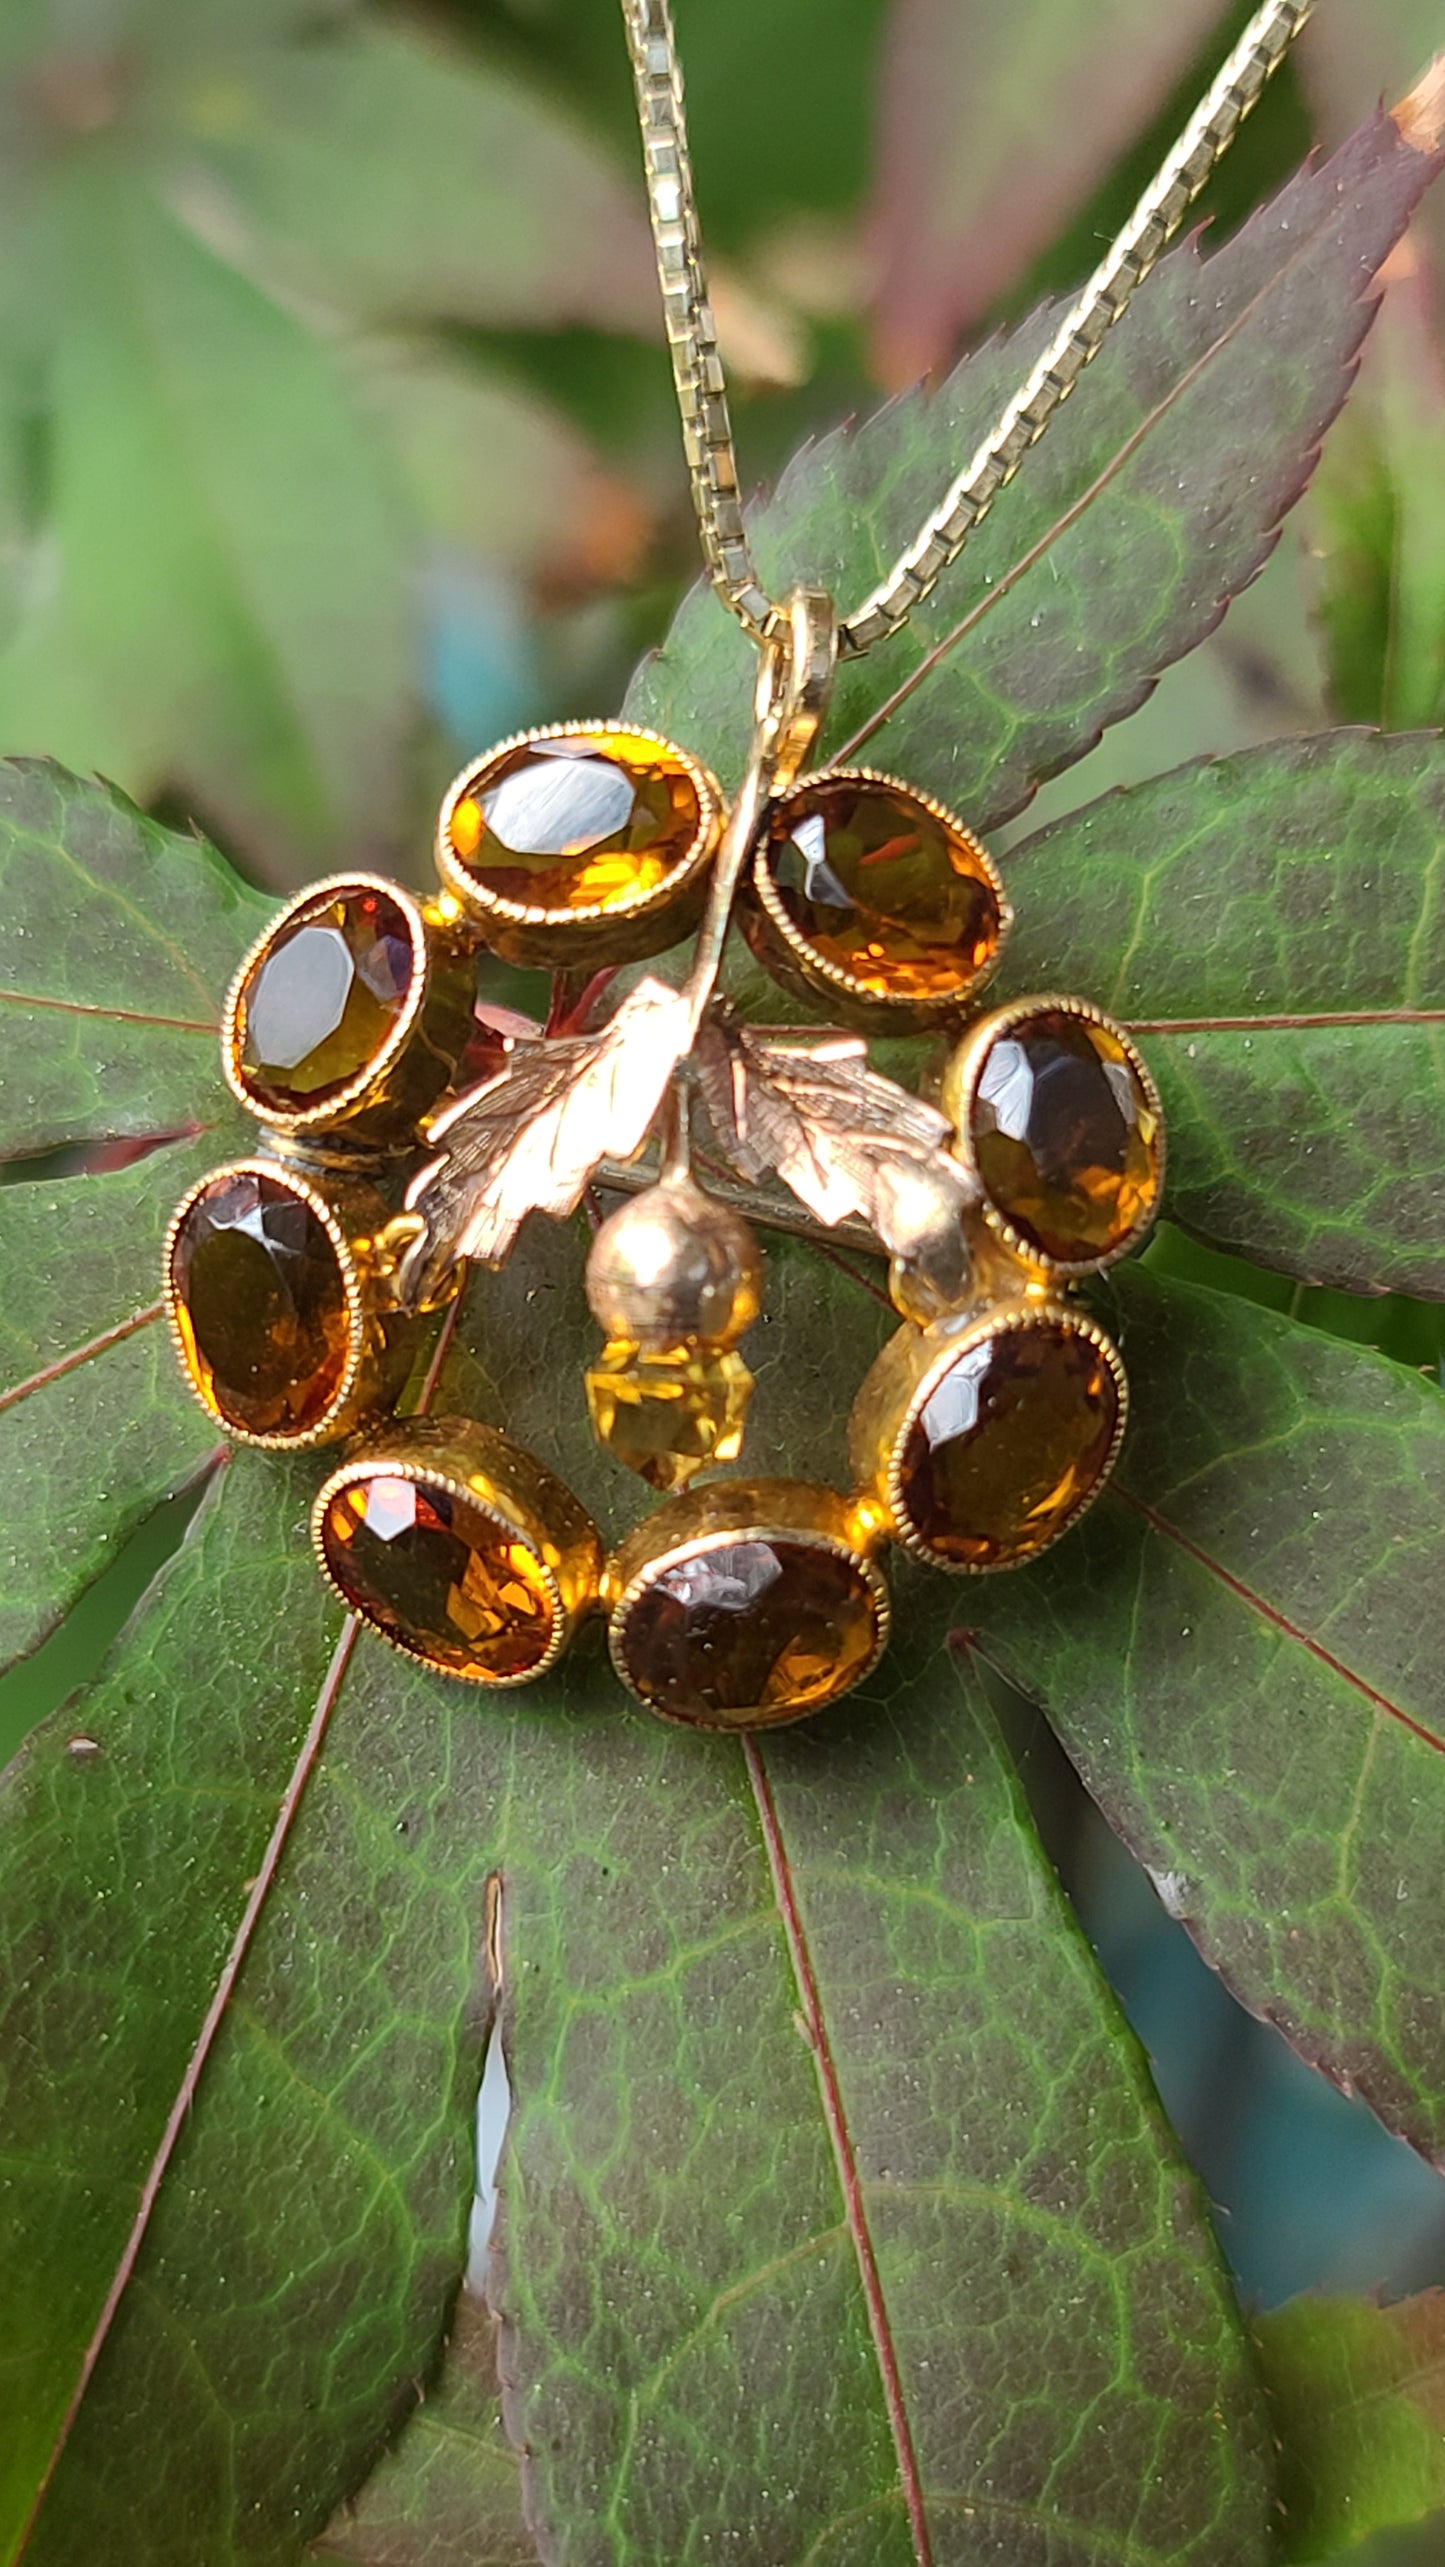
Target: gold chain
pixel 697 367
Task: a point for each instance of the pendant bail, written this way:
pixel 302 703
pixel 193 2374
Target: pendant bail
pixel 795 680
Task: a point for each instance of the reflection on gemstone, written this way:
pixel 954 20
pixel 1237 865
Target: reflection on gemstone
pixel 883 889
pixel 1065 1136
pixel 319 1005
pixel 749 1634
pixel 597 819
pixel 441 1577
pixel 668 1415
pixel 1010 1445
pixel 260 1304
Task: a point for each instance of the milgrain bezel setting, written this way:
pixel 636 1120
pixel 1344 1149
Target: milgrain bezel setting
pixel 960 1088
pixel 792 959
pixel 717 1518
pixel 903 1380
pixel 481 1468
pixel 362 1387
pixel 406 1074
pixel 624 930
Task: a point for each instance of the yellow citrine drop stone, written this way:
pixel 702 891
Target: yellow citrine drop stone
pixel 668 1416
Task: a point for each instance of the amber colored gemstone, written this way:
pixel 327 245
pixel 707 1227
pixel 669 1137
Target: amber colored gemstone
pixel 1009 1445
pixel 595 820
pixel 748 1634
pixel 440 1576
pixel 1065 1136
pixel 261 1305
pixel 322 1000
pixel 883 889
pixel 668 1416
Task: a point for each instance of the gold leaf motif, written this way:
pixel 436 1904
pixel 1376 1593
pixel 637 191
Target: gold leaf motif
pixel 847 1141
pixel 529 1139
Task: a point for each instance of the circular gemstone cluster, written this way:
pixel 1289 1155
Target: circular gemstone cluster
pixel 987 1425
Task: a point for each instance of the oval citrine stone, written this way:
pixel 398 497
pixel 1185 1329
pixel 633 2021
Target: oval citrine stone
pixel 1011 1442
pixel 440 1576
pixel 322 999
pixel 749 1634
pixel 261 1305
pixel 590 821
pixel 1066 1135
pixel 882 888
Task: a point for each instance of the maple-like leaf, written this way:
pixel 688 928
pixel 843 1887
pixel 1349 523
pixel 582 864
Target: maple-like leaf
pixel 529 1139
pixel 849 1143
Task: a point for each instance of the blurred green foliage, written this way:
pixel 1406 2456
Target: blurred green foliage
pixel 336 432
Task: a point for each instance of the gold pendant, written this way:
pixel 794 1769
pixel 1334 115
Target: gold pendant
pixel 295 1283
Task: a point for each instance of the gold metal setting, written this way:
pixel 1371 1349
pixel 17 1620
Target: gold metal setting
pixel 796 964
pixel 719 1518
pixel 620 931
pixel 960 1086
pixel 482 1469
pixel 382 1105
pixel 902 1381
pixel 380 1338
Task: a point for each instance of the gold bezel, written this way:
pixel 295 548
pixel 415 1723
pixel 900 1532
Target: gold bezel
pixel 528 932
pixel 717 1517
pixel 783 949
pixel 481 1468
pixel 345 1407
pixel 362 1089
pixel 903 1380
pixel 960 1085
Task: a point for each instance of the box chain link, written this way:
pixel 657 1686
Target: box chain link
pixel 697 366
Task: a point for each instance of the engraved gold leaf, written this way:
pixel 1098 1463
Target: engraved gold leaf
pixel 848 1142
pixel 530 1138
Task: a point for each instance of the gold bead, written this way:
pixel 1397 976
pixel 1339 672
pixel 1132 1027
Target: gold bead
pixel 675 1268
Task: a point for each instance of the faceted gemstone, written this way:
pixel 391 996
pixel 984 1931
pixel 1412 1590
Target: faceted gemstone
pixel 261 1305
pixel 669 1415
pixel 444 1578
pixel 598 819
pixel 322 1000
pixel 752 1633
pixel 1064 1136
pixel 1011 1442
pixel 883 889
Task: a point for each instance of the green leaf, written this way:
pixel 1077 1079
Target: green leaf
pixel 244 1912
pixel 450 2494
pixel 1379 523
pixel 226 612
pixel 1302 1053
pixel 95 1425
pixel 210 542
pixel 1358 2397
pixel 702 2193
pixel 406 182
pixel 1154 499
pixel 996 128
pixel 1235 1650
pixel 108 1030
